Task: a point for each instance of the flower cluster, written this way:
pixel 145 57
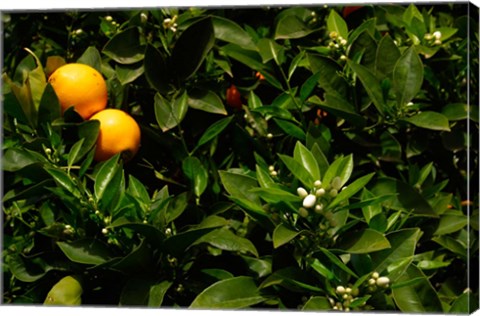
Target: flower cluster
pixel 435 38
pixel 318 196
pixel 338 44
pixel 170 23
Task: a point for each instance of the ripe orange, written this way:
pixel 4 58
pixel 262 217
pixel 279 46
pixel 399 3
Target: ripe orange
pixel 80 86
pixel 119 133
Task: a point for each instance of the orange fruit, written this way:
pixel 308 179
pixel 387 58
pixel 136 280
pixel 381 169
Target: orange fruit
pixel 119 133
pixel 80 86
pixel 233 97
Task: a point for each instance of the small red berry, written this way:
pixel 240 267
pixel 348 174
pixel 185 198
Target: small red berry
pixel 233 97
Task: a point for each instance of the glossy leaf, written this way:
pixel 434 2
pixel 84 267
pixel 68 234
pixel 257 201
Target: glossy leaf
pixel 305 157
pixel 196 173
pixel 335 23
pixel 86 251
pixel 229 31
pixel 282 235
pixel 156 70
pixel 91 56
pixel 192 47
pixel 129 73
pixel 329 70
pixel 239 186
pixel 207 101
pixel 49 108
pixel 450 223
pixel 125 47
pixel 407 76
pixel 297 170
pixel 366 241
pixel 403 244
pixel 342 167
pixel 214 130
pixel 420 297
pixel 105 174
pixel 157 293
pixel 365 46
pixel 225 239
pixel 316 303
pixel 386 57
pixel 290 128
pixel 74 152
pixel 430 120
pixel 350 190
pixel 237 292
pixel 169 113
pixel 371 85
pixel 291 26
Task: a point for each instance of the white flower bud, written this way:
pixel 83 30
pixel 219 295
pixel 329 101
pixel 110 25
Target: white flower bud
pixel 273 173
pixel 68 227
pixel 428 36
pixel 79 31
pixel 340 290
pixel 336 183
pixel 318 208
pixel 348 290
pixel 108 18
pixel 437 35
pixel 333 34
pixel 333 192
pixel 271 168
pixel 372 281
pixel 104 231
pixel 317 183
pixel 302 192
pixel 383 281
pixel 320 192
pixel 375 275
pixel 269 135
pixel 343 42
pixel 437 42
pixel 345 296
pixel 309 201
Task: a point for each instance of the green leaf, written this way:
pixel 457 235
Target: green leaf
pixel 49 108
pixel 366 241
pixel 320 158
pixel 317 303
pixel 419 297
pixel 63 180
pixel 429 120
pixel 342 167
pixel 335 23
pixel 229 31
pixel 269 49
pixel 263 178
pixel 291 26
pixel 239 186
pixel 157 293
pixel 170 113
pixel 329 78
pixel 365 46
pixel 293 279
pixel 403 243
pixel 225 239
pixel 213 131
pixel 305 157
pixel 337 105
pixel 407 76
pixel 335 260
pixel 105 175
pixel 253 100
pixel 25 270
pixel 207 101
pixel 91 57
pixel 294 64
pixel 456 111
pixel 195 171
pixel 156 70
pixel 36 81
pixel 466 303
pixel 404 197
pixel 351 189
pixel 129 73
pixel 73 155
pixel 274 195
pixel 297 170
pixel 85 251
pixel 321 269
pixel 283 235
pixel 192 47
pixel 451 223
pixel 369 211
pixel 452 244
pixel 125 47
pixel 237 292
pixel 291 129
pixel 371 85
pixel 308 86
pixel 87 130
pixel 386 57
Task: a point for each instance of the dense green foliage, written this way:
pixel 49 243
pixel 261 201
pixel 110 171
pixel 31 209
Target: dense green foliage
pixel 341 174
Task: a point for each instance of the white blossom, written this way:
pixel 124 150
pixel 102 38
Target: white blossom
pixel 309 201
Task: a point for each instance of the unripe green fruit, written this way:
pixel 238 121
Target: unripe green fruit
pixel 68 291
